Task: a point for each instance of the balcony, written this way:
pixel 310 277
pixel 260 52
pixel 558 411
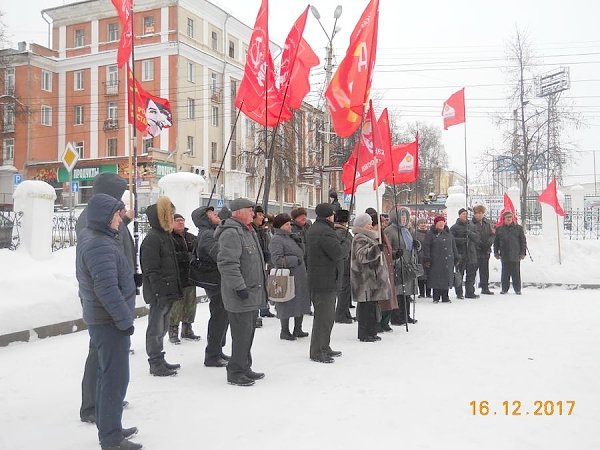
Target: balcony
pixel 111 125
pixel 10 91
pixel 215 95
pixel 111 87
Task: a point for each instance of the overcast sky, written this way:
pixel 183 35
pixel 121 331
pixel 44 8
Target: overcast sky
pixel 428 49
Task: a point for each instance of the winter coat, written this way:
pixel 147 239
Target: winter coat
pixel 184 246
pixel 510 243
pixel 325 252
pixel 242 266
pixel 420 236
pixel 263 239
pixel 103 270
pixel 113 185
pixel 486 237
pixel 405 285
pixel 466 238
pixel 369 278
pixel 287 252
pixel 207 247
pixel 440 251
pixel 157 256
pixel 342 233
pixel 301 232
pixel 392 302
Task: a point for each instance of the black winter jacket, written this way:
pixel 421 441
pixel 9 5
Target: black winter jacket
pixel 207 247
pixel 184 246
pixel 467 241
pixel 325 251
pixel 104 272
pixel 510 243
pixel 486 237
pixel 158 259
pixel 440 251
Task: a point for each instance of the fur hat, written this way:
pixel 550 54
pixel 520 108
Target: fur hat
pixel 297 212
pixel 281 219
pixel 362 220
pixel 324 210
pixel 342 216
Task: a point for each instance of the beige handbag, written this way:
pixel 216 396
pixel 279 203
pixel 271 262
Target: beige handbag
pixel 280 285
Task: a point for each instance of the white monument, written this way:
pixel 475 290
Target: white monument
pixel 183 188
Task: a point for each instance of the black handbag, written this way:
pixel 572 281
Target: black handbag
pixel 204 275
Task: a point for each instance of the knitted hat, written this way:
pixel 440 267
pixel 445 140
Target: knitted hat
pixel 258 209
pixel 324 210
pixel 439 219
pixel 281 219
pixel 461 210
pixel 178 216
pixel 507 213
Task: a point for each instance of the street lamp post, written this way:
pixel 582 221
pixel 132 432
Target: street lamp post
pixel 325 160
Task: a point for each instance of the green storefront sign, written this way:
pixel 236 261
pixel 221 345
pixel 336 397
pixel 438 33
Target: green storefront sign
pixel 86 173
pixel 164 169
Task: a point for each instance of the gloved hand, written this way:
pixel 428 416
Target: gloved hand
pixel 380 247
pixel 242 293
pixel 398 254
pixel 129 331
pixel 427 264
pixel 137 278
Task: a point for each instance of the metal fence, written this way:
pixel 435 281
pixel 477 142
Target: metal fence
pixel 63 231
pixel 10 226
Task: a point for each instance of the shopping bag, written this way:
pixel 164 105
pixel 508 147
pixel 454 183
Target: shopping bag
pixel 280 285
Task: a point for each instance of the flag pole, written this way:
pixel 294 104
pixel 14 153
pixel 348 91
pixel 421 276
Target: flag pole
pixel 466 161
pixel 557 239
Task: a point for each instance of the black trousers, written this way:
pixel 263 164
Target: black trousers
pixel 112 347
pixel 471 270
pixel 424 290
pixel 511 269
pixel 484 272
pixel 158 325
pixel 217 326
pixel 440 294
pixel 242 335
pixel 344 299
pixel 399 315
pixel 367 319
pixel 324 316
pixel 88 384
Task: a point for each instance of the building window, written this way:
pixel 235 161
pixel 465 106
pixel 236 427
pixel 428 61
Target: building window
pixel 190 28
pixel 214 81
pixel 111 109
pixel 9 119
pixel 191 72
pixel 78 115
pixel 148 25
pixel 113 32
pixel 78 146
pixel 231 49
pixel 244 53
pixel 111 147
pixel 148 70
pixel 191 108
pixel 148 144
pixel 9 81
pixel 213 152
pixel 8 153
pixel 214 116
pixel 190 145
pixel 214 40
pixel 78 80
pixel 46 81
pixel 79 38
pixel 46 115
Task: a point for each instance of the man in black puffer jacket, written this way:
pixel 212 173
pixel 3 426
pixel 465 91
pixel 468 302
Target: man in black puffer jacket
pixel 162 285
pixel 466 238
pixel 107 291
pixel 510 247
pixel 207 249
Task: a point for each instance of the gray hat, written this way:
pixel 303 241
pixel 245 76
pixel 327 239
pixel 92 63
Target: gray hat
pixel 240 203
pixel 363 219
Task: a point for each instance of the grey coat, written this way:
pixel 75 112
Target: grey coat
pixel 241 264
pixel 440 251
pixel 405 285
pixel 369 276
pixel 288 253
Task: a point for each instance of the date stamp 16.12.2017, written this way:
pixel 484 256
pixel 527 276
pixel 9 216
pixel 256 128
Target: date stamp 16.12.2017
pixel 522 408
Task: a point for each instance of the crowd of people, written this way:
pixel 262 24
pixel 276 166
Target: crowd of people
pixel 381 263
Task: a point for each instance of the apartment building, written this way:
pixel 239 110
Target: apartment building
pixel 188 51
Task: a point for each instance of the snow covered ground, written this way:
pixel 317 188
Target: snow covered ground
pixel 411 390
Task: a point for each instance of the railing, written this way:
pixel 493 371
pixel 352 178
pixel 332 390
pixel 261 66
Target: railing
pixel 10 224
pixel 111 87
pixel 63 231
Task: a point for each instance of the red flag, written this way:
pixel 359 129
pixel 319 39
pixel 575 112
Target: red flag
pixel 153 114
pixel 124 8
pixel 386 144
pixel 405 163
pixel 369 151
pixel 258 96
pixel 550 197
pixel 297 59
pixel 454 109
pixel 350 86
pixel 508 206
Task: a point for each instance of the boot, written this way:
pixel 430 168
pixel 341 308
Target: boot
pixel 298 327
pixel 188 333
pixel 158 369
pixel 285 331
pixel 174 334
pixel 124 445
